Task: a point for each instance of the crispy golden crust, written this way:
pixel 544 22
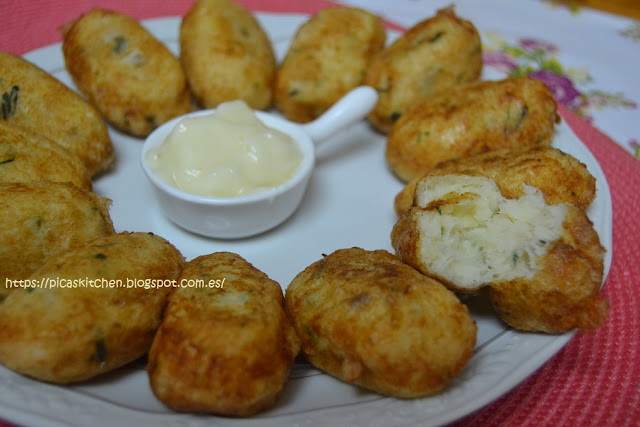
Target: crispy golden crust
pixel 561 177
pixel 225 349
pixel 124 71
pixel 26 156
pixel 370 320
pixel 40 219
pixel 434 55
pixel 42 104
pixel 328 56
pixel 406 240
pixel 560 290
pixel 65 335
pixel 226 55
pixel 513 113
pixel 564 294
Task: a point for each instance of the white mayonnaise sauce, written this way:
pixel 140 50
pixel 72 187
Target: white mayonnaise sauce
pixel 228 153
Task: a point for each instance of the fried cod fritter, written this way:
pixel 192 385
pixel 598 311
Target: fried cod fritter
pixel 37 101
pixel 40 219
pixel 225 348
pixel 370 320
pixel 328 56
pixel 559 176
pixel 512 113
pixel 433 56
pixel 226 55
pixel 464 233
pixel 26 156
pixel 70 334
pixel 133 79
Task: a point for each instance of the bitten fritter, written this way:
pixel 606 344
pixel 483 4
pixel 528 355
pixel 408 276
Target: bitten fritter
pixel 559 176
pixel 373 321
pixel 433 56
pixel 40 219
pixel 71 329
pixel 328 56
pixel 26 156
pixel 464 233
pixel 543 263
pixel 133 79
pixel 35 100
pixel 226 55
pixel 225 347
pixel 512 113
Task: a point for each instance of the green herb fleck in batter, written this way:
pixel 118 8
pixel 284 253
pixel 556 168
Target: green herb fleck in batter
pixel 119 44
pixel 10 102
pixel 309 332
pixel 421 135
pixel 436 37
pixel 515 116
pixel 100 355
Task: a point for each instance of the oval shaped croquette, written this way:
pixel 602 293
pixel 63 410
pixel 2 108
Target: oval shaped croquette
pixel 132 78
pixel 328 56
pixel 79 324
pixel 225 346
pixel 513 113
pixel 370 320
pixel 435 55
pixel 40 103
pixel 226 55
pixel 39 219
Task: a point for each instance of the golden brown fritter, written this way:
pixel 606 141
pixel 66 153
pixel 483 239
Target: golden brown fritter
pixel 124 71
pixel 564 293
pixel 35 100
pixel 561 177
pixel 512 113
pixel 371 320
pixel 26 156
pixel 328 56
pixel 80 324
pixel 40 219
pixel 543 263
pixel 225 347
pixel 433 56
pixel 463 232
pixel 226 55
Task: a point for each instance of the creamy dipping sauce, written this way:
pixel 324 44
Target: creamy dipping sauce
pixel 229 153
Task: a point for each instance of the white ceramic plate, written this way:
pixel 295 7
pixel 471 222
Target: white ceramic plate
pixel 349 203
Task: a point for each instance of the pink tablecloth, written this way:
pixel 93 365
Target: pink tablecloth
pixel 595 379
